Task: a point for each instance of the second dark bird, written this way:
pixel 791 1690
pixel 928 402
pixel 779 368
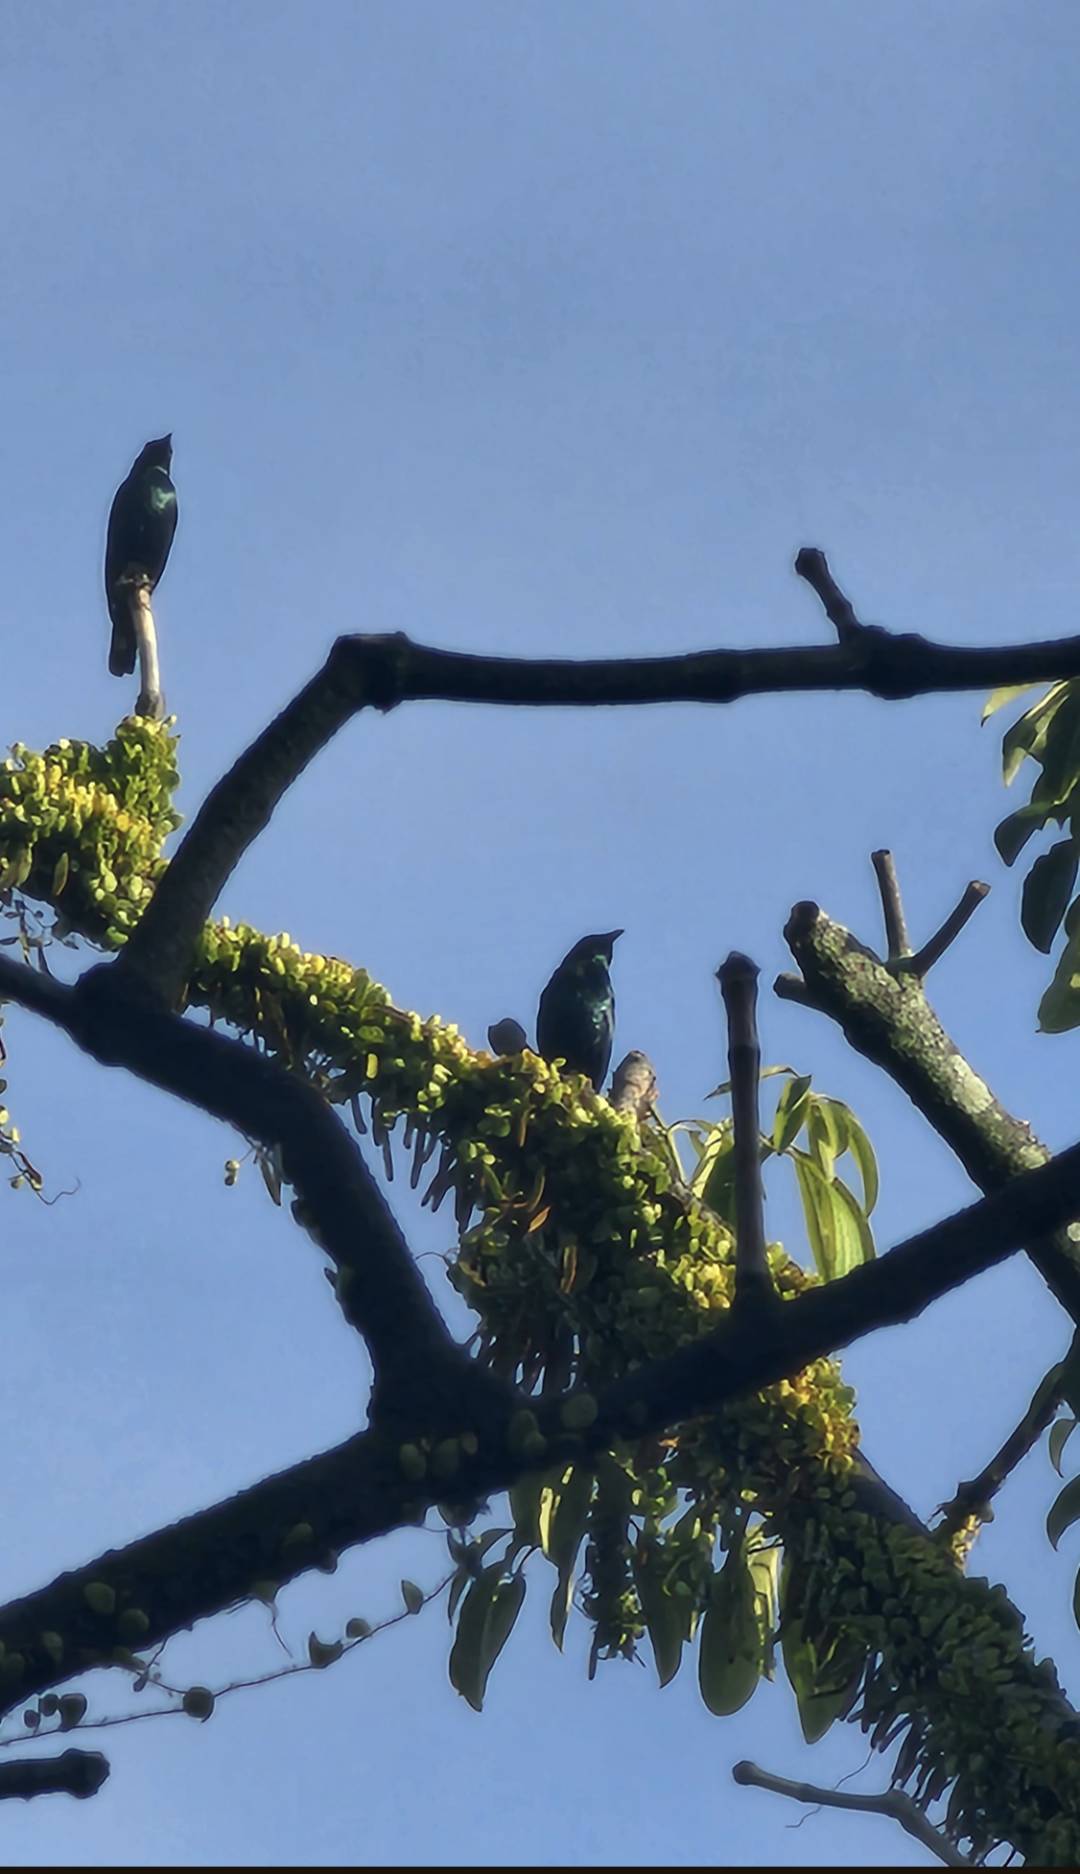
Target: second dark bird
pixel 576 1019
pixel 142 522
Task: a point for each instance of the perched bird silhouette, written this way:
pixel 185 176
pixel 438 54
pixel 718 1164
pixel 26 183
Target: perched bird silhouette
pixel 576 1019
pixel 142 522
pixel 507 1036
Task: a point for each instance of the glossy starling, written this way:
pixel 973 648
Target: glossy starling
pixel 142 523
pixel 576 1019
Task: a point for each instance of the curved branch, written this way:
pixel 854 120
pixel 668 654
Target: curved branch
pixel 378 1286
pixel 379 672
pixel 894 1803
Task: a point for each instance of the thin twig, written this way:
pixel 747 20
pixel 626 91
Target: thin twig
pixel 738 986
pixel 894 1803
pixel 974 1498
pixel 892 905
pixel 811 565
pixel 923 961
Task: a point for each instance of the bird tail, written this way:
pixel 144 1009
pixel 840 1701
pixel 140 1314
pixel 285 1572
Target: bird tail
pixel 122 648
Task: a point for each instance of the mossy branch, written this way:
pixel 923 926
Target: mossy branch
pixel 887 1018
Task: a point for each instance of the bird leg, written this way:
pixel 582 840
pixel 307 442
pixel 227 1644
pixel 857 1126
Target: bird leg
pixel 151 702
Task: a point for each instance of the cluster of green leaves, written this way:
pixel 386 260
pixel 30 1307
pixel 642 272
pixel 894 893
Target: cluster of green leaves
pixel 1048 734
pixel 837 1219
pixel 84 827
pixel 585 1251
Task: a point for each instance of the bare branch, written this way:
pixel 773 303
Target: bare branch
pixel 74 1773
pixel 892 905
pixel 151 701
pixel 382 671
pixel 974 1498
pixel 811 565
pixel 887 1019
pixel 923 961
pixel 738 986
pixel 894 1803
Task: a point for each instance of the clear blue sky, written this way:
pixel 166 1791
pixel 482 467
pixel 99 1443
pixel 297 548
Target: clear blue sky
pixel 523 328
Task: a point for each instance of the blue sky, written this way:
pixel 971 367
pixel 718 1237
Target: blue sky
pixel 521 328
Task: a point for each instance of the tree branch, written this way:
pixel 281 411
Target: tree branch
pixel 974 1498
pixel 378 1287
pixel 892 905
pixel 229 1080
pixel 923 960
pixel 382 671
pixel 811 565
pixel 888 1020
pixel 738 986
pixel 287 1524
pixel 74 1773
pixel 895 1288
pixel 893 1803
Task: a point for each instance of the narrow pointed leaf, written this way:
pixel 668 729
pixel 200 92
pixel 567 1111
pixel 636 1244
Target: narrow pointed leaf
pixel 730 1652
pixel 1011 835
pixel 791 1111
pixel 1060 1433
pixel 1059 1009
pixel 664 1619
pixel 1047 890
pixel 998 698
pixel 1064 1511
pixel 564 1512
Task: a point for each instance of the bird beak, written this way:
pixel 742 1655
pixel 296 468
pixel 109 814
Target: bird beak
pixel 610 936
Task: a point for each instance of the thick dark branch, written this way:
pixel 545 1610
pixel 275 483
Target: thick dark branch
pixel 284 1525
pixel 974 1498
pixel 378 1287
pixel 738 986
pixel 74 1773
pixel 894 1803
pixel 382 671
pixel 923 960
pixel 892 905
pixel 228 1079
pixel 269 1534
pixel 896 1288
pixel 887 1018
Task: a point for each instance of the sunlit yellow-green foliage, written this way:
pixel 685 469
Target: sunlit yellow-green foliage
pixel 583 1256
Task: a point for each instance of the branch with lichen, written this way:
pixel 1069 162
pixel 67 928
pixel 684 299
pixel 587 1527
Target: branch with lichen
pixel 885 1016
pixel 577 1251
